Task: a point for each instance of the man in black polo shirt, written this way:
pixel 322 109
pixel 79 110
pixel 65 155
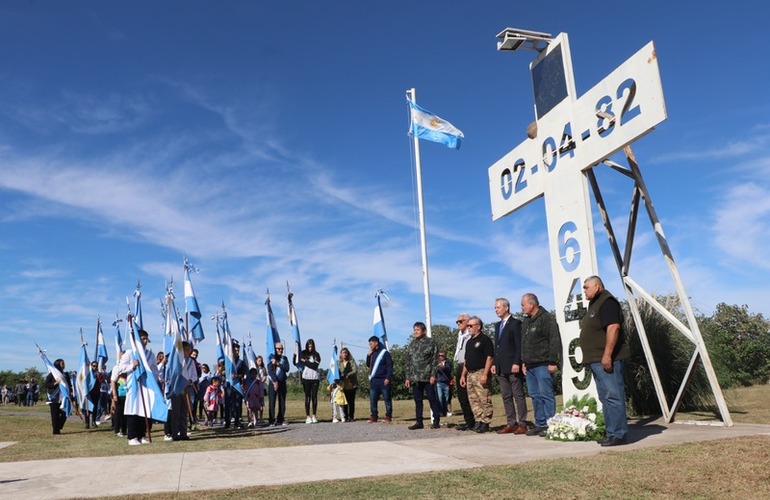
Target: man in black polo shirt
pixel 605 350
pixel 477 373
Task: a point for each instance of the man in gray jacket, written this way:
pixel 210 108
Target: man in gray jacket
pixel 541 355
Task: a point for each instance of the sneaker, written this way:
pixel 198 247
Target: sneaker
pixel 387 420
pixel 134 442
pixel 334 421
pixel 120 434
pixel 98 423
pixel 343 419
pixel 372 419
pixel 168 437
pixel 146 441
pixel 107 417
pixel 284 424
pixel 308 420
pixel 315 420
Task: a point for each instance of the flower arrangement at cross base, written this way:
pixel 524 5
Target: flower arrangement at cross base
pixel 578 421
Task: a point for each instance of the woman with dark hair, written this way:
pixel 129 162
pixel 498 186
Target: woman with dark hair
pixel 58 416
pixel 309 360
pixel 349 374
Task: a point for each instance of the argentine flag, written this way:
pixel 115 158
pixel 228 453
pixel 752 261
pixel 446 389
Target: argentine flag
pixel 379 325
pixel 426 125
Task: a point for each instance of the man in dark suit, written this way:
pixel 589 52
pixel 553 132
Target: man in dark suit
pixel 508 368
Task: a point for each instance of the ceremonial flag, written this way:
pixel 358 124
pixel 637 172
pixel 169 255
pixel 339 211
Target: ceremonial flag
pixel 334 369
pixel 294 330
pixel 193 312
pixel 227 341
pixel 85 380
pixel 119 347
pixel 143 394
pixel 426 125
pixel 251 357
pixel 379 322
pixel 220 349
pixel 65 403
pixel 101 349
pixel 176 383
pixel 138 306
pixel 271 336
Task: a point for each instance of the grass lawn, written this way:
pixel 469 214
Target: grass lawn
pixel 735 468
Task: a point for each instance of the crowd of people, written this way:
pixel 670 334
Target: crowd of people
pixel 25 393
pixel 519 351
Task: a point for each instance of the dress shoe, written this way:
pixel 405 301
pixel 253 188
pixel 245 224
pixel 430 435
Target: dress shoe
pixel 416 426
pixel 507 429
pixel 612 441
pixel 520 429
pixel 435 425
pixel 537 431
pixel 482 428
pixel 372 419
pixel 387 420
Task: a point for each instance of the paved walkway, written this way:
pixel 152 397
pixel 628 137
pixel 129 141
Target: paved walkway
pixel 57 479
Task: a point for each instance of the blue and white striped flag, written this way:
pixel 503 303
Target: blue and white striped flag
pixel 101 349
pixel 251 356
pixel 194 326
pixel 220 349
pixel 426 125
pixel 138 306
pixel 227 341
pixel 334 369
pixel 84 381
pixel 271 334
pixel 143 394
pixel 176 383
pixel 295 331
pixel 379 322
pixel 65 403
pixel 119 347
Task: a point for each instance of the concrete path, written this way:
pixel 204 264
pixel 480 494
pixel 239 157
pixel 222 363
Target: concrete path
pixel 179 472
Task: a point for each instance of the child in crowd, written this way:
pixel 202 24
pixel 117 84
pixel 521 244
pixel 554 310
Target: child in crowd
pixel 254 395
pixel 213 399
pixel 339 401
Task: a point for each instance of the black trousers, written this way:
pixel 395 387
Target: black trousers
pixel 280 397
pixel 311 395
pixel 58 417
pixel 350 410
pixel 462 397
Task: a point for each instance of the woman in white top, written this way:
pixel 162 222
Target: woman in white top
pixel 309 360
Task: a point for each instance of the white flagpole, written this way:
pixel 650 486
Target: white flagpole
pixel 421 209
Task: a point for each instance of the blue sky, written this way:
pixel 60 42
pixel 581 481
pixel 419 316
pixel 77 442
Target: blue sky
pixel 267 142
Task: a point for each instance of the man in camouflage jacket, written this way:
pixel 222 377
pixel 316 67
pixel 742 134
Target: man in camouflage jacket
pixel 421 368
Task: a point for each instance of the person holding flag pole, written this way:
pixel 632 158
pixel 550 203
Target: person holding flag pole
pixel 380 365
pixel 58 391
pixel 84 384
pixel 144 397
